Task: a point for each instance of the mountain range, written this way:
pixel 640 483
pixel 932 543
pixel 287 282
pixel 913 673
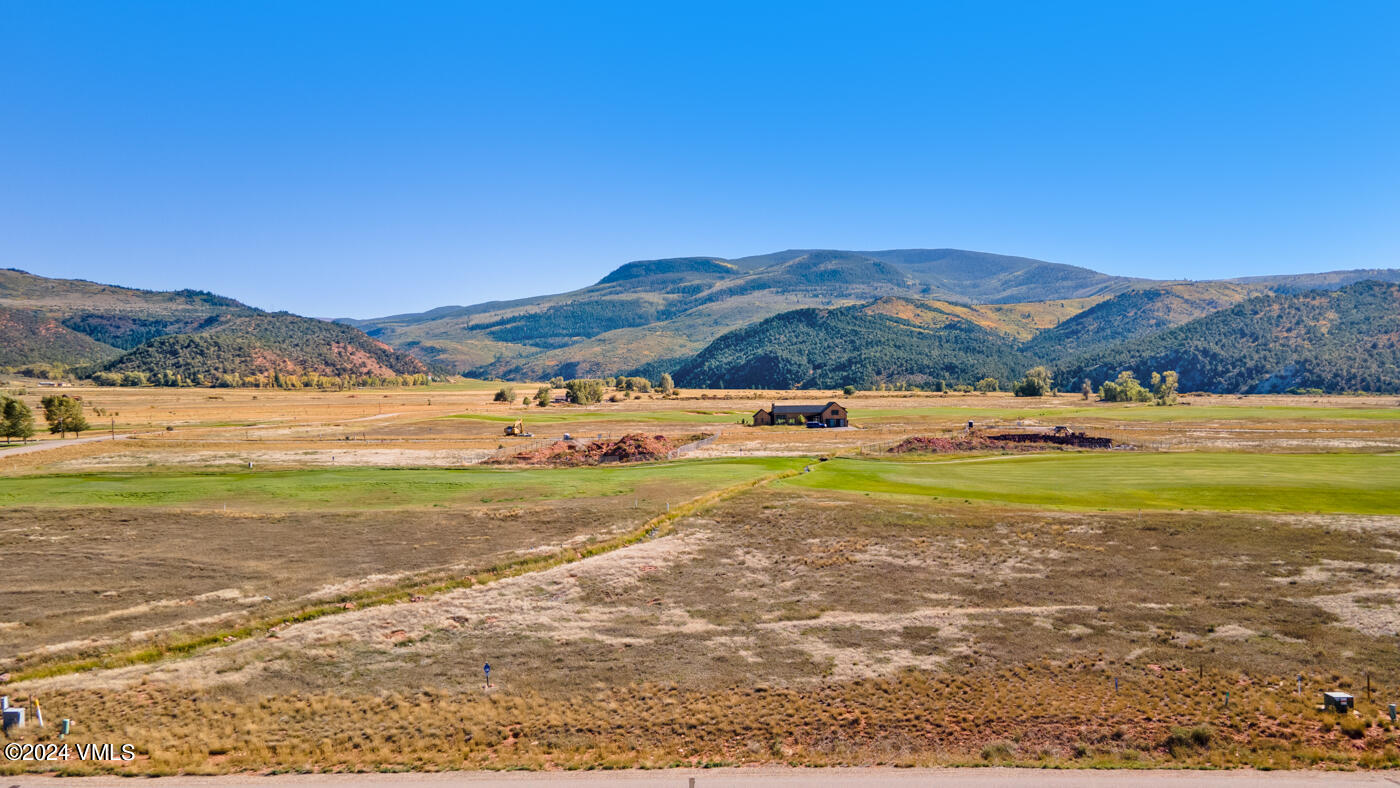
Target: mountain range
pixel 797 318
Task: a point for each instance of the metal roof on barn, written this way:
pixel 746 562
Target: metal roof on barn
pixel 800 410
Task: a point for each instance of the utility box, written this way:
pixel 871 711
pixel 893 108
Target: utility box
pixel 1338 701
pixel 12 717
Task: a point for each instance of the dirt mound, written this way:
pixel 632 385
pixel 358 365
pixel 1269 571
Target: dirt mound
pixel 925 444
pixel 633 447
pixel 1076 439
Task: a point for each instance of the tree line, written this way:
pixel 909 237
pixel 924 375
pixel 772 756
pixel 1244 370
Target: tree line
pixel 64 414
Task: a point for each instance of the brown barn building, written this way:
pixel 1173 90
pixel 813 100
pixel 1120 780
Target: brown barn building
pixel 831 414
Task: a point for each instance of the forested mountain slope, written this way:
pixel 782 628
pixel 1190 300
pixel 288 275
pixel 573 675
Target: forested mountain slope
pixel 262 344
pixel 1342 340
pixel 1136 313
pixel 825 348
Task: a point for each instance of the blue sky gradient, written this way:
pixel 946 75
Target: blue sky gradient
pixel 366 158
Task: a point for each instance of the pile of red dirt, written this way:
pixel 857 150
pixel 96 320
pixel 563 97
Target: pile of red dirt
pixel 924 444
pixel 633 447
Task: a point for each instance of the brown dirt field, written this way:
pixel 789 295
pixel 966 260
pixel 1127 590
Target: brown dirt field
pixel 820 628
pixel 85 580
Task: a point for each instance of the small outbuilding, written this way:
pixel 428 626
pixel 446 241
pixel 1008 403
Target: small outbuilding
pixel 1338 701
pixel 831 414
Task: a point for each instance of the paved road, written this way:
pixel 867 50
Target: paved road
pixel 55 444
pixel 764 778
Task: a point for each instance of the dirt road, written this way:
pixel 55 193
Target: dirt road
pixel 766 778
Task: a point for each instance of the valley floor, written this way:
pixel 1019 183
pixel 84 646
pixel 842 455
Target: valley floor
pixel 794 598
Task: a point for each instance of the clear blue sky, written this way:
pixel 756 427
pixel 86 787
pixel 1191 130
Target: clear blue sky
pixel 364 158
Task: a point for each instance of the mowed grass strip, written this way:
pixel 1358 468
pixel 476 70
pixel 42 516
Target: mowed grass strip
pixel 378 488
pixel 1344 483
pixel 1133 412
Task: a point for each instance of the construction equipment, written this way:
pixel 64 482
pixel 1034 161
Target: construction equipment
pixel 518 429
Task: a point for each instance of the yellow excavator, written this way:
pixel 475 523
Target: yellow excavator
pixel 518 429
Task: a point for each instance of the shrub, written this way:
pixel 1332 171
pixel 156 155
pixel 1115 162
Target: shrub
pixel 999 751
pixel 988 384
pixel 1353 727
pixel 505 394
pixel 1184 740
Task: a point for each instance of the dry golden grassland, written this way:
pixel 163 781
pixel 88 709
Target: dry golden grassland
pixel 872 610
pixel 791 625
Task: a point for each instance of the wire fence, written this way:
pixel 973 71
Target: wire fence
pixel 692 446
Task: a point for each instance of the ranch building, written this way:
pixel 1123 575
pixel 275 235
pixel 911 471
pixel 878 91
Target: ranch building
pixel 831 415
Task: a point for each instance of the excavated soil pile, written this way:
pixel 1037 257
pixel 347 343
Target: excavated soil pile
pixel 634 447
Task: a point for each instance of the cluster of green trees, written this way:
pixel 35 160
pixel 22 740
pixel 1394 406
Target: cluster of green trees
pixel 585 391
pixel 1126 388
pixel 1037 383
pixel 63 413
pixel 271 380
pixel 16 420
pixel 121 378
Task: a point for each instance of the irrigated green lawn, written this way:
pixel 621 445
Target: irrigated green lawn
pixel 1355 483
pixel 1134 412
pixel 374 488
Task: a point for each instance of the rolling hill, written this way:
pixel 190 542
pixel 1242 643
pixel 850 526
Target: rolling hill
pixel 29 337
pixel 902 315
pixel 859 346
pixel 1342 340
pixel 262 344
pixel 656 311
pixel 190 333
pixel 1136 313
